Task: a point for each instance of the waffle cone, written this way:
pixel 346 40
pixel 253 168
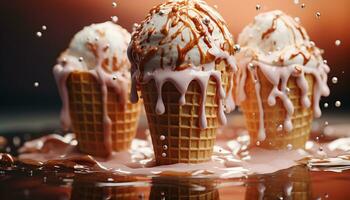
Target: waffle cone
pixel 276 115
pixel 86 110
pixel 293 183
pixel 86 188
pixel 185 141
pixel 183 188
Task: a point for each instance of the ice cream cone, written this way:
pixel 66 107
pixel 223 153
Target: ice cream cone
pixel 281 79
pixel 86 110
pixel 176 134
pixel 182 61
pixel 183 188
pixel 293 183
pixel 274 116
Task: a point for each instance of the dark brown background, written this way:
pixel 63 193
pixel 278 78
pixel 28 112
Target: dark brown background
pixel 24 58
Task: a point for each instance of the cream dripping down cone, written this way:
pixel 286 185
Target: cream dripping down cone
pixel 182 61
pixel 93 78
pixel 280 81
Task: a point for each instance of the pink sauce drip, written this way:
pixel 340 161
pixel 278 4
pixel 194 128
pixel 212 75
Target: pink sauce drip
pixel 279 76
pixel 116 80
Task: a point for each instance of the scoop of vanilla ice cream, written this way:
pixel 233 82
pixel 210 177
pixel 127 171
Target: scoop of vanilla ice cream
pixel 276 38
pixel 99 44
pixel 179 33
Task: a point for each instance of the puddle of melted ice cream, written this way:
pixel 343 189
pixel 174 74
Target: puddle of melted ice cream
pixel 231 158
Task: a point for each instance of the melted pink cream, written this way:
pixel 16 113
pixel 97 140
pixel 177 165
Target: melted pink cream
pixel 230 159
pixel 116 80
pixel 279 76
pixel 182 79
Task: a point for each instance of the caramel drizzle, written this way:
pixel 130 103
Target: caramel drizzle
pixel 272 29
pixel 180 13
pixel 306 59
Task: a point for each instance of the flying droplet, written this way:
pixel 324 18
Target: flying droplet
pixel 114 4
pixel 326 123
pixel 162 137
pixel 318 15
pixel 206 21
pixel 81 59
pixel 163 155
pixel 39 34
pixel 251 66
pixel 334 80
pixel 280 127
pixel 302 5
pixel 216 6
pixel 135 26
pixel 317 139
pixel 36 84
pixel 44 28
pixel 296 1
pixel 165 147
pixel 338 104
pixel 325 105
pixel 258 143
pixel 114 77
pixel 337 43
pixel 289 147
pixel 297 19
pixel 326 195
pixel 258 7
pixel 114 19
pixel 237 48
pixel 325 62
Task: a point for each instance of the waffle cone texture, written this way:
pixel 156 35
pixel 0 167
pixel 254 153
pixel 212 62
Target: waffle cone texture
pixel 183 188
pixel 293 183
pixel 86 111
pixel 276 115
pixel 183 140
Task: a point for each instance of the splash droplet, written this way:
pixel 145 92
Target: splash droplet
pixel 165 147
pixel 326 123
pixel 258 7
pixel 36 84
pixel 44 28
pixel 289 147
pixel 251 66
pixel 258 143
pixel 334 80
pixel 280 128
pixel 163 155
pixel 81 59
pixel 206 21
pixel 162 137
pixel 114 4
pixel 325 105
pixel 318 15
pixel 337 43
pixel 338 104
pixel 325 62
pixel 302 5
pixel 237 48
pixel 114 19
pixel 39 34
pixel 114 77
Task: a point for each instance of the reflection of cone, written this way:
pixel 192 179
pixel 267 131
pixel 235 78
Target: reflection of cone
pixel 176 135
pixel 86 110
pixel 293 183
pixel 183 188
pixel 86 188
pixel 274 116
